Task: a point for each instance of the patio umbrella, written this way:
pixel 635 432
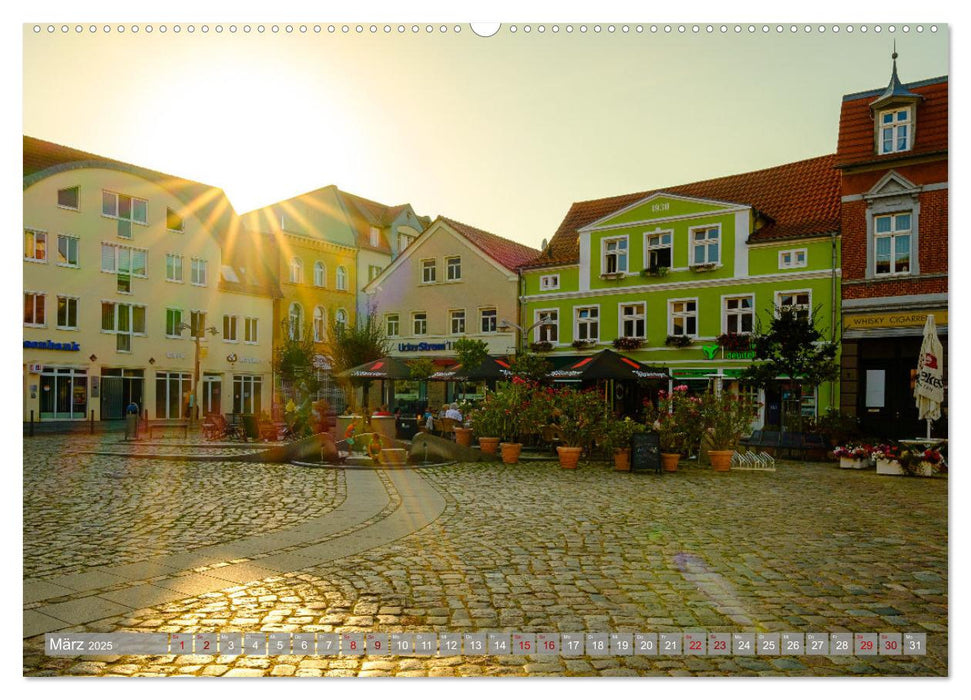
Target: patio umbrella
pixel 608 364
pixel 489 368
pixel 929 387
pixel 384 368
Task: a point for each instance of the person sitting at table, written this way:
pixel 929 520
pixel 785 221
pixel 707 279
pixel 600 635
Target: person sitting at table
pixel 454 413
pixel 382 411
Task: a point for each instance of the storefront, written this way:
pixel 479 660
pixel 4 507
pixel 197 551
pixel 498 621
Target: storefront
pixel 63 393
pixel 120 387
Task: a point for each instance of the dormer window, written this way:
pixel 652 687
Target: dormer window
pixel 896 130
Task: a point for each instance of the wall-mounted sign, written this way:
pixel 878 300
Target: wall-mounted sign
pixel 711 353
pixel 51 345
pixel 898 319
pixel 231 357
pixel 250 360
pixel 424 347
pixel 175 355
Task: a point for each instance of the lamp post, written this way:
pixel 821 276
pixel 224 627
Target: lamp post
pixel 505 325
pixel 195 373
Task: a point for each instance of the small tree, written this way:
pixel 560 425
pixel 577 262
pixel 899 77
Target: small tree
pixel 470 354
pixel 531 367
pixel 293 363
pixel 793 347
pixel 351 345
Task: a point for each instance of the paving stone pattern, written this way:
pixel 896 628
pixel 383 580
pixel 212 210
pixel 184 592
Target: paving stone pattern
pixel 534 548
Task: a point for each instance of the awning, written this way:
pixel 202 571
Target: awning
pixel 608 364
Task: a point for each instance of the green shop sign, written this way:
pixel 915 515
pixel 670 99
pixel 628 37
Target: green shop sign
pixel 711 353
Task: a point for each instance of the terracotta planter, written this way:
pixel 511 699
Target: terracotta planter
pixel 890 466
pixel 850 463
pixel 569 456
pixel 622 459
pixel 669 461
pixel 489 445
pixel 463 436
pixel 510 452
pixel 721 460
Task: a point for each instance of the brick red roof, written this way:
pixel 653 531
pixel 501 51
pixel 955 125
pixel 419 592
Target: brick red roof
pixel 799 199
pixel 365 213
pixel 857 143
pixel 509 254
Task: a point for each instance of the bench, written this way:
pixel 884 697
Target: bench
pixel 182 425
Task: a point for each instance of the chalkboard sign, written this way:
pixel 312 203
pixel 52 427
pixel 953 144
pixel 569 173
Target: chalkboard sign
pixel 645 452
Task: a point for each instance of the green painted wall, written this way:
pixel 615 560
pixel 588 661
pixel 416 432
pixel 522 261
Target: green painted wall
pixel 660 208
pixel 569 279
pixel 764 260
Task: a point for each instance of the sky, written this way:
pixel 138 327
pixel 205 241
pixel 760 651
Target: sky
pixel 502 133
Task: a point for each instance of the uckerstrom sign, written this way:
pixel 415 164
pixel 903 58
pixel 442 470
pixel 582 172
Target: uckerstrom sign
pixel 51 345
pixel 424 347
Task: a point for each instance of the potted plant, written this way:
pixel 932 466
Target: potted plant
pixel 627 343
pixel 852 456
pixel 485 423
pixel 617 438
pixel 922 462
pixel 678 341
pixel 726 417
pixel 677 421
pixel 580 417
pixel 888 460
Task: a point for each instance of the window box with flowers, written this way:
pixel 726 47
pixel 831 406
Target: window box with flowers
pixel 613 275
pixel 853 456
pixel 541 346
pixel 655 271
pixel 704 267
pixel 583 344
pixel 678 341
pixel 627 343
pixel 735 342
pixel 888 460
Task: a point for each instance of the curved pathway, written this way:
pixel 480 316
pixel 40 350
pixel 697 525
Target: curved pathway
pixel 380 507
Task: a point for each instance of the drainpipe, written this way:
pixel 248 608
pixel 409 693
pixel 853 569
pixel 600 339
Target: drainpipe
pixel 834 313
pixel 521 283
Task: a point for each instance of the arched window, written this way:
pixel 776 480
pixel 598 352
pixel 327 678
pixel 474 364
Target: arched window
pixel 320 324
pixel 340 317
pixel 341 278
pixel 320 274
pixel 295 321
pixel 296 271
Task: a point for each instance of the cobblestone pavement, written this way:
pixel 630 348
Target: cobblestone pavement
pixel 531 547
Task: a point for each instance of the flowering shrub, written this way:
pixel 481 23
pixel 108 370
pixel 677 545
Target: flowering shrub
pixel 911 461
pixel 515 409
pixel 579 415
pixel 890 453
pixel 618 433
pixel 677 420
pixel 852 451
pixel 726 418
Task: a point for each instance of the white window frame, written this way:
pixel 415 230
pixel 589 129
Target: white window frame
pixel 320 274
pixel 296 271
pixel 453 316
pixel 788 259
pixel 203 267
pixel 116 247
pixel 415 320
pixel 57 312
pixel 64 206
pixel 375 237
pixel 340 317
pixel 892 236
pixel 178 331
pixel 548 283
pixel 396 320
pixel 341 278
pixel 794 293
pixel 33 253
pixel 116 314
pixel 494 323
pixel 42 295
pixel 251 330
pixel 693 244
pixel 175 257
pixel 230 328
pixel 427 268
pixel 685 315
pixel 77 250
pixel 648 248
pixel 541 332
pixel 320 324
pixel 605 254
pixel 593 319
pixel 373 271
pixel 737 312
pixel 449 267
pixel 295 321
pixel 404 240
pixel 894 126
pixel 623 318
pixel 131 219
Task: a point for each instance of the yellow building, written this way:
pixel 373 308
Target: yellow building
pixel 122 267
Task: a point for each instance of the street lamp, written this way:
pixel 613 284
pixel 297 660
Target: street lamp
pixel 195 375
pixel 505 325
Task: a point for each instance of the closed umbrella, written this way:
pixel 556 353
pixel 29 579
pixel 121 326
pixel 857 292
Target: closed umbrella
pixel 929 387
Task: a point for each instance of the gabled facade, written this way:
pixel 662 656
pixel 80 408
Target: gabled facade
pixel 670 271
pixel 893 158
pixel 122 266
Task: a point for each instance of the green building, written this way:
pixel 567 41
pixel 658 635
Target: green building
pixel 670 271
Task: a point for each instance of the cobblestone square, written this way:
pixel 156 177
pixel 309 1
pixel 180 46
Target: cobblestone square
pixel 154 543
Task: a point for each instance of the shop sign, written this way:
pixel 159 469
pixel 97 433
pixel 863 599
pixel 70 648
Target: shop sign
pixel 897 319
pixel 424 347
pixel 51 345
pixel 691 373
pixel 175 355
pixel 250 360
pixel 711 353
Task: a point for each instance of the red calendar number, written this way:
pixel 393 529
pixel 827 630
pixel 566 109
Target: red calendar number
pixel 866 646
pixel 720 646
pixel 694 646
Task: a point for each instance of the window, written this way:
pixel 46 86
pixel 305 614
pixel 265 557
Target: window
pixel 320 274
pixel 895 131
pixel 124 320
pixel 487 320
pixel 792 258
pixel 404 241
pixel 341 278
pixel 739 314
pixel 173 222
pixel 797 301
pixel 173 323
pixel 251 330
pixel 548 330
pixel 296 271
pixel 549 282
pixel 173 267
pixel 67 251
pixel 892 235
pixel 373 271
pixel 453 268
pixel 456 321
pixel 295 321
pixel 34 312
pixel 172 390
pixel 658 250
pixel 123 260
pixel 615 255
pixel 35 245
pixel 428 272
pixel 247 394
pixel 69 198
pixel 340 318
pixel 199 272
pixel 375 237
pixel 67 313
pixel 229 329
pixel 320 324
pixel 197 324
pixel 392 326
pixel 684 317
pixel 704 245
pixel 587 323
pixel 419 322
pixel 633 320
pixel 126 209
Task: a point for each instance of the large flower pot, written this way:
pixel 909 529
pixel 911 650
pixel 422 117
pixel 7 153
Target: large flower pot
pixel 510 452
pixel 721 460
pixel 851 463
pixel 463 436
pixel 622 459
pixel 569 456
pixel 489 445
pixel 890 466
pixel 669 461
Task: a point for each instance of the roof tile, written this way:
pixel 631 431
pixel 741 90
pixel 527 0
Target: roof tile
pixel 509 254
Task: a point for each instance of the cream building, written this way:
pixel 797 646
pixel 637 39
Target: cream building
pixel 121 266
